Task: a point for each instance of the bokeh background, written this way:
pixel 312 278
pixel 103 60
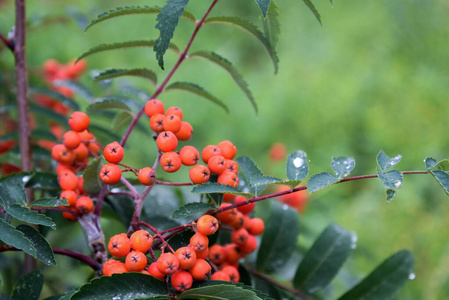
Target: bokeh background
pixel 374 76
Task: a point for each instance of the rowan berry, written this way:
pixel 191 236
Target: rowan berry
pixel 71 139
pixel 189 155
pixel 107 266
pixel 60 168
pixel 154 271
pixel 217 164
pixel 154 106
pixel 199 242
pixel 92 146
pixel 199 174
pixel 145 272
pixel 233 273
pixel 84 205
pixel 86 136
pixel 239 236
pixel 119 245
pixel 217 254
pixel 228 150
pixel 172 123
pixel 201 270
pixel 203 254
pixel 220 275
pixel 186 131
pixel 207 225
pixel 79 121
pixel 141 240
pixel 181 280
pixel 135 261
pixel 118 268
pixel 157 122
pixel 166 141
pixel 227 216
pixel 170 162
pixel 246 222
pixel 174 110
pixel 67 180
pixel 238 221
pixel 113 152
pixel 244 209
pixel 146 176
pixel 110 174
pixel 70 196
pixel 186 257
pixel 250 245
pixel 232 166
pixel 209 151
pixel 257 226
pixel 228 178
pixel 70 216
pixel 167 263
pixel 81 185
pixel 233 253
pixel 63 155
pixel 81 152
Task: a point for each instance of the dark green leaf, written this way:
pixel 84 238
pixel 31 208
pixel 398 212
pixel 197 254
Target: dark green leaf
pixel 220 292
pixel 265 180
pixel 385 162
pixel 251 29
pixel 211 283
pixel 251 171
pixel 30 216
pixel 263 5
pixel 225 64
pixel 28 287
pixel 279 238
pixel 104 135
pixel 44 181
pixel 342 166
pixel 43 250
pixel 297 168
pixel 313 9
pixel 76 87
pixel 390 195
pixel 10 236
pixel 268 288
pixel 9 136
pixel 213 187
pixel 122 45
pixel 271 26
pixel 320 181
pixel 392 179
pixel 122 206
pixel 442 178
pixel 43 113
pixel 92 183
pixel 17 193
pixel 39 134
pixel 190 209
pixel 197 90
pixel 386 280
pixel 108 104
pixel 167 21
pixel 114 73
pixel 127 286
pixel 69 102
pixel 181 239
pixel 49 202
pixel 120 120
pixel 11 188
pixel 324 259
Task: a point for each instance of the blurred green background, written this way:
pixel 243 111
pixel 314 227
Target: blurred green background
pixel 374 76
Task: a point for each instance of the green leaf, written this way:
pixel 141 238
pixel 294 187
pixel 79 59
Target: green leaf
pixel 390 195
pixel 76 87
pixel 69 102
pixel 9 136
pixel 10 236
pixel 103 134
pixel 127 286
pixel 391 179
pixel 227 65
pixel 386 280
pixel 120 120
pixel 265 180
pixel 49 202
pixel 251 172
pixel 271 26
pixel 279 238
pixel 30 216
pixel 385 162
pixel 443 165
pixel 220 292
pixel 263 5
pixel 43 181
pixel 320 181
pixel 297 168
pixel 122 45
pixel 43 250
pixel 114 73
pixel 28 287
pixel 197 90
pixel 442 178
pixel 11 188
pixel 324 259
pixel 40 134
pixel 132 10
pixel 190 209
pixel 108 104
pixel 167 21
pixel 43 113
pixel 213 187
pixel 181 239
pixel 313 10
pixel 92 183
pixel 251 29
pixel 342 166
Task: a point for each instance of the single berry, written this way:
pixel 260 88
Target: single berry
pixel 81 152
pixel 166 141
pixel 227 216
pixel 119 245
pixel 68 181
pixel 181 280
pixel 257 226
pixel 199 174
pixel 174 110
pixel 170 162
pixel 186 131
pixel 220 275
pixel 189 155
pixel 79 121
pixel 146 176
pixel 228 178
pixel 135 261
pixel 154 271
pixel 141 240
pixel 201 270
pixel 70 196
pixel 154 106
pixel 239 236
pixel 186 257
pixel 167 263
pixel 217 164
pixel 199 242
pixel 157 122
pixel 209 151
pixel 207 225
pixel 110 173
pixel 228 150
pixel 217 254
pixel 84 205
pixel 232 166
pixel 250 245
pixel 245 209
pixel 172 123
pixel 71 139
pixel 113 152
pixel 233 273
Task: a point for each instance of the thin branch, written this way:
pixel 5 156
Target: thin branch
pixel 7 42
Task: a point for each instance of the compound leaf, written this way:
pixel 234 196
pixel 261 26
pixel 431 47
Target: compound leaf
pixel 324 259
pixel 271 26
pixel 313 10
pixel 392 180
pixel 190 209
pixel 251 29
pixel 385 162
pixel 92 183
pixel 197 90
pixel 167 21
pixel 251 171
pixel 320 181
pixel 297 168
pixel 386 280
pixel 30 216
pixel 13 237
pixel 49 202
pixel 43 250
pixel 28 287
pixel 342 166
pixel 227 65
pixel 114 73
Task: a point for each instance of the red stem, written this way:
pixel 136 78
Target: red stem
pixel 7 42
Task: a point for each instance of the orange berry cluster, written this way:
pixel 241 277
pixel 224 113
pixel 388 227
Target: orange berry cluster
pixel 72 156
pixel 53 71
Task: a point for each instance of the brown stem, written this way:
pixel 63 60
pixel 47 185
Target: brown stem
pixel 95 237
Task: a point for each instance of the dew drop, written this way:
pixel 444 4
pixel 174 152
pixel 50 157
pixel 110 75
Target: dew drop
pixel 285 207
pixel 411 276
pixel 115 190
pixel 298 162
pixel 26 178
pixel 397 183
pixel 117 297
